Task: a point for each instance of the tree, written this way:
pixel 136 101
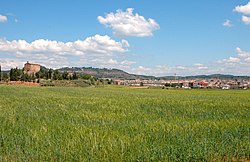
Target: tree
pixel 74 76
pixel 12 75
pixel 15 74
pixel 56 75
pixel 49 74
pixel 86 77
pixel 26 78
pixel 39 75
pixel 65 75
pixel 5 76
pixel 33 78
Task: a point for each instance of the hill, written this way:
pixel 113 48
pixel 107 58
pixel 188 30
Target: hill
pixel 105 73
pixel 120 74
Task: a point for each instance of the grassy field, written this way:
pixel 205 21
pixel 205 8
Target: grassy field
pixel 123 124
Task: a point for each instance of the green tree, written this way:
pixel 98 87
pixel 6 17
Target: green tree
pixel 26 78
pixel 65 75
pixel 15 74
pixel 49 74
pixel 86 77
pixel 5 76
pixel 74 76
pixel 33 78
pixel 56 75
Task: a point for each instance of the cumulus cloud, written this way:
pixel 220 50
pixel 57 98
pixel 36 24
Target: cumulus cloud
pixel 198 64
pixel 202 67
pixel 237 65
pixel 242 53
pixel 96 50
pixel 3 18
pixel 96 44
pixel 126 62
pixel 247 60
pixel 246 20
pixel 227 23
pixel 244 9
pixel 231 60
pixel 164 70
pixel 126 23
pixel 8 63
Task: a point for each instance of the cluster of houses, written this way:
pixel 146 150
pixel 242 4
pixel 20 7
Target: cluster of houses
pixel 190 83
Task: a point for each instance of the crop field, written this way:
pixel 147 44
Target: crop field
pixel 123 124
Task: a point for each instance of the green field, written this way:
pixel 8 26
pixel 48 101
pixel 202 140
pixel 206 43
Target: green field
pixel 123 124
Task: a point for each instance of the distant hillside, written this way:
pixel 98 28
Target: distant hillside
pixel 105 73
pixel 120 74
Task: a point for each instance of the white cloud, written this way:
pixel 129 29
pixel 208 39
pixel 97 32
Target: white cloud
pixel 198 64
pixel 237 65
pixel 247 60
pixel 234 60
pixel 202 67
pixel 227 23
pixel 96 50
pixel 231 60
pixel 126 62
pixel 242 53
pixel 163 70
pixel 244 9
pixel 3 18
pixel 8 63
pixel 180 67
pixel 96 44
pixel 141 68
pixel 125 23
pixel 246 20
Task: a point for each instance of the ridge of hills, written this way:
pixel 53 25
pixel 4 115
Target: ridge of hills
pixel 120 74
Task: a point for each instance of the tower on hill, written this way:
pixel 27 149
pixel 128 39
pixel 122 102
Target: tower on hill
pixel 30 68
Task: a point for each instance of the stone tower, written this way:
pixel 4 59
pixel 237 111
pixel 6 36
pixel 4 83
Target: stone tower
pixel 31 68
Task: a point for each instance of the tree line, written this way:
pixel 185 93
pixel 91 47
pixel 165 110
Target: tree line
pixel 16 74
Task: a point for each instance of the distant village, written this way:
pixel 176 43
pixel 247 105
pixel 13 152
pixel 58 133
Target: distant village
pixel 31 70
pixel 215 83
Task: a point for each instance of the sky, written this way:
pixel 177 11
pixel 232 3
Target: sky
pixel 159 38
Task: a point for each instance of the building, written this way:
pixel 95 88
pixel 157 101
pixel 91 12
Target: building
pixel 31 68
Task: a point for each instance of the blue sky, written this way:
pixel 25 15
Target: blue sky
pixel 144 37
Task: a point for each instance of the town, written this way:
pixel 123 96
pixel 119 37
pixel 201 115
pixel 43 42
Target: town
pixel 197 83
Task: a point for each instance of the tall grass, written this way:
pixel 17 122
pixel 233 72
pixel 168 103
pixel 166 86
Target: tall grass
pixel 123 124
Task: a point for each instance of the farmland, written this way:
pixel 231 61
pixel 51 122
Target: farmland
pixel 123 124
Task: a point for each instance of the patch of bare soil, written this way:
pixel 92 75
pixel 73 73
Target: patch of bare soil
pixel 22 83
